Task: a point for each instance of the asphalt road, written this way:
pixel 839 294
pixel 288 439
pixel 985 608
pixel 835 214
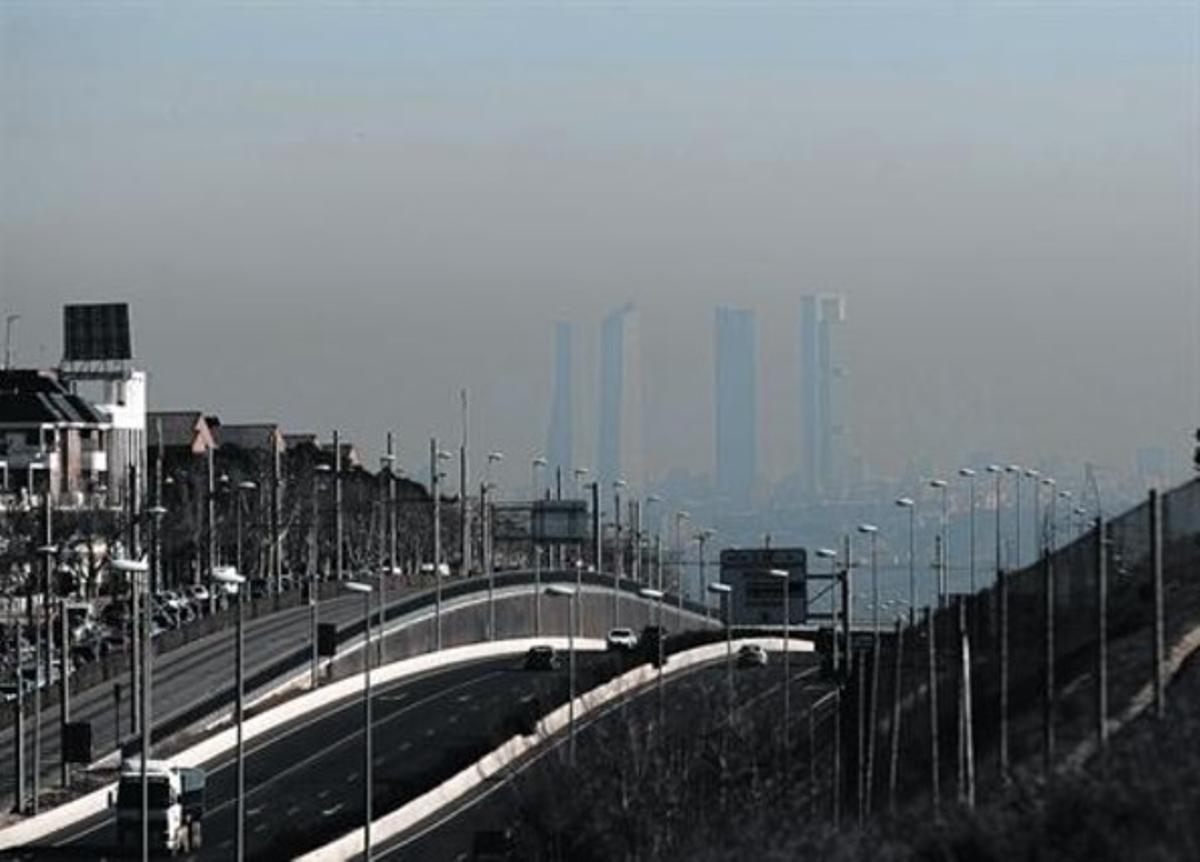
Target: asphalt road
pixel 450 834
pixel 180 679
pixel 304 782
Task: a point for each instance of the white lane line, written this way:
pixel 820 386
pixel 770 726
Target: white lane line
pixel 404 746
pixel 293 811
pixel 329 812
pixel 352 777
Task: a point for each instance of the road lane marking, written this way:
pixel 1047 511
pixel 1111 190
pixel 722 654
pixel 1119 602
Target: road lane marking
pixel 329 812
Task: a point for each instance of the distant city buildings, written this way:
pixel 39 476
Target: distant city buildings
pixel 619 449
pixel 736 405
pixel 821 396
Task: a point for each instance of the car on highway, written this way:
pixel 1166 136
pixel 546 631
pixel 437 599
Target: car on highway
pixel 752 655
pixel 199 593
pixel 542 657
pixel 621 639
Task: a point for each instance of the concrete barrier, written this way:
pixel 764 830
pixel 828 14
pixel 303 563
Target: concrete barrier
pixel 429 804
pixel 36 828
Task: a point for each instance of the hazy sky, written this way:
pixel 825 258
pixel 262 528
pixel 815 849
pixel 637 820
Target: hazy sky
pixel 340 213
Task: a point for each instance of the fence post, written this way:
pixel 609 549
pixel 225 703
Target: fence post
pixel 896 692
pixel 931 625
pixel 1048 694
pixel 967 747
pixel 836 776
pixel 1101 631
pixel 1002 587
pixel 859 763
pixel 1156 572
pixel 873 719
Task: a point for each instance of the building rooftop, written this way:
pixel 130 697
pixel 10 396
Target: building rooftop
pixel 29 397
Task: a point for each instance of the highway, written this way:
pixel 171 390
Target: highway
pixel 304 781
pixel 180 679
pixel 450 834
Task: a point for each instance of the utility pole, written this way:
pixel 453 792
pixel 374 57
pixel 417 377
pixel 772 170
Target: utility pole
pixel 337 503
pixel 437 541
pixel 464 500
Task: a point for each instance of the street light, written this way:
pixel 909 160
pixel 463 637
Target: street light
pixel 437 455
pixel 241 486
pixel 572 597
pixel 230 577
pixel 703 536
pixel 134 568
pixel 785 575
pixel 1050 485
pixel 680 517
pixel 724 590
pixel 319 471
pixel 910 504
pixel 365 590
pixel 944 562
pixel 832 555
pixel 537 463
pixel 1016 470
pixel 656 596
pixel 579 473
pixel 969 474
pixel 873 531
pixel 1038 537
pixel 650 500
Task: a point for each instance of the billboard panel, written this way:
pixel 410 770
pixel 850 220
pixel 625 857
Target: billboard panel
pixel 758 596
pixel 544 522
pixel 96 332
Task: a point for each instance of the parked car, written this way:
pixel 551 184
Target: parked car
pixel 199 593
pixel 542 657
pixel 622 639
pixel 752 655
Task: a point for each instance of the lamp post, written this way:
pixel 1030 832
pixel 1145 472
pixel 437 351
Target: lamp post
pixel 338 523
pixel 485 529
pixel 723 591
pixel 579 473
pixel 1067 497
pixel 484 487
pixel 365 590
pixel 911 505
pixel 134 568
pixel 319 471
pixel 969 474
pixel 785 575
pixel 618 550
pixel 572 597
pixel 230 577
pixel 1038 535
pixel 435 475
pixel 1016 470
pixel 657 597
pixel 680 517
pixel 702 536
pixel 388 464
pixel 653 499
pixel 1050 485
pixel 997 473
pixel 241 487
pixel 944 563
pixel 873 532
pixel 538 463
pixel 831 555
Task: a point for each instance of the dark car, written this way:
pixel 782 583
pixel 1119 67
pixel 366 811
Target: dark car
pixel 541 657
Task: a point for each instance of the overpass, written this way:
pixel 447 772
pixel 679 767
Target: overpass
pixel 193 685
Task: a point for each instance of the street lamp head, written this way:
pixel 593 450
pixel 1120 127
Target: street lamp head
pixel 682 515
pixel 443 455
pixel 1079 510
pixel 157 511
pixel 995 468
pixel 48 549
pixel 580 472
pixel 619 483
pixel 705 534
pixel 579 565
pixel 246 485
pixel 653 498
pixel 937 483
pixel 966 472
pixel 495 456
pixel 1031 473
pixel 720 588
pixel 827 553
pixel 868 529
pixel 779 573
pixel 650 593
pixel 905 502
pixel 1066 495
pixel 323 468
pixel 560 591
pixel 387 458
pixel 1014 468
pixel 1049 482
pixel 358 587
pixel 539 461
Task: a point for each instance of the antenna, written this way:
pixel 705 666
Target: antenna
pixel 9 320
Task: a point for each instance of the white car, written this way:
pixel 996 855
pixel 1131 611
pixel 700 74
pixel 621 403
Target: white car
pixel 199 593
pixel 621 639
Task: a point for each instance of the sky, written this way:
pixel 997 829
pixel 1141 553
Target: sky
pixel 338 214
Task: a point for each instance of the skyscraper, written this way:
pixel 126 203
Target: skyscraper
pixel 560 437
pixel 619 450
pixel 736 405
pixel 819 392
